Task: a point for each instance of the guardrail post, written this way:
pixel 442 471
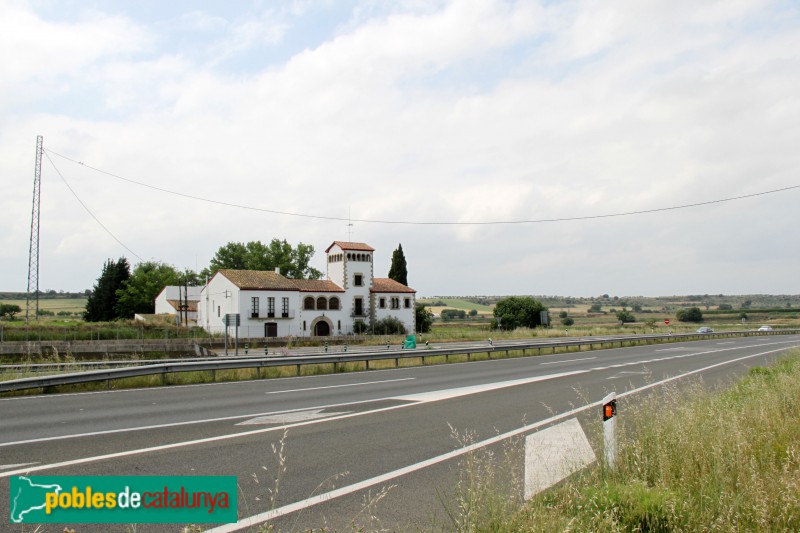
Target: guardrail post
pixel 366 364
pixel 298 370
pixel 396 362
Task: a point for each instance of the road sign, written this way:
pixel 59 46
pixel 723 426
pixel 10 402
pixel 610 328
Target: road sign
pixel 666 322
pixel 232 319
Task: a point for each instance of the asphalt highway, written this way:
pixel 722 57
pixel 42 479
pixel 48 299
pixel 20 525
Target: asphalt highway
pixel 377 449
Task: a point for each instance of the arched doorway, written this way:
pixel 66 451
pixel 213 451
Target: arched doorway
pixel 322 329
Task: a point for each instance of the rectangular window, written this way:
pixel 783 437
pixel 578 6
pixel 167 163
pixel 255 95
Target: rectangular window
pixel 358 280
pixel 270 307
pixel 285 310
pixel 218 308
pixel 407 303
pixel 359 304
pixel 382 303
pixel 395 303
pixel 254 307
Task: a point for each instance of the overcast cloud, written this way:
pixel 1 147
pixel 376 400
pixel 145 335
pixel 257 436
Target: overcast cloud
pixel 469 112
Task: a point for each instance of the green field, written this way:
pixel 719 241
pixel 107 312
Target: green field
pixel 54 305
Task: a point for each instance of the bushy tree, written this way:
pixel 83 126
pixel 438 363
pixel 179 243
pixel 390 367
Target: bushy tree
pixel 596 308
pixel 725 307
pixel 568 321
pixel 9 310
pixel 389 326
pixel 424 318
pixel 293 262
pixel 138 293
pixel 399 271
pixel 450 314
pixel 626 317
pixel 518 312
pixel 692 314
pixel 101 305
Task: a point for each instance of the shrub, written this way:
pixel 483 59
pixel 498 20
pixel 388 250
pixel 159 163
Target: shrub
pixel 692 314
pixel 567 321
pixel 626 317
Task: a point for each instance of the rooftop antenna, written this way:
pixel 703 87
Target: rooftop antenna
pixel 33 250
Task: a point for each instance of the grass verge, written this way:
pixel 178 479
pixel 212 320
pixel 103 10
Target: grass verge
pixel 688 461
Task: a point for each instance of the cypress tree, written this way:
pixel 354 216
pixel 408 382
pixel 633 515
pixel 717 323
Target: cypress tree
pixel 101 304
pixel 398 271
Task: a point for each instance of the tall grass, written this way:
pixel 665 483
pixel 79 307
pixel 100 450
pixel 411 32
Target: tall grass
pixel 688 461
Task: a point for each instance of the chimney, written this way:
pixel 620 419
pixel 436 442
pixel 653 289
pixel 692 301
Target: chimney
pixel 277 270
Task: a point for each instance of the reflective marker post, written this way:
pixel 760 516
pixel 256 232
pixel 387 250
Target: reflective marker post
pixel 609 413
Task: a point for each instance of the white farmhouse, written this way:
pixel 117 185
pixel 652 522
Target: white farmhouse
pixel 172 297
pixel 272 305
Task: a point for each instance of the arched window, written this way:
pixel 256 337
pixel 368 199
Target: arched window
pixel 322 303
pixel 308 303
pixel 333 305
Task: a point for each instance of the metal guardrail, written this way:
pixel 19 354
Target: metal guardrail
pixel 231 363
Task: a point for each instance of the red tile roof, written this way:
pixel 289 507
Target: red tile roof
pixel 355 246
pixel 317 285
pixel 389 285
pixel 259 280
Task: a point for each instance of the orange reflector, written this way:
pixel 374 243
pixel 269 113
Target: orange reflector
pixel 609 410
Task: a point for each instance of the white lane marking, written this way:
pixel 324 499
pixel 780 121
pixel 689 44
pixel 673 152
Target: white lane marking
pixel 620 374
pixel 6 467
pixel 390 476
pixel 290 418
pixel 446 394
pixel 729 342
pixel 187 423
pixel 568 361
pixel 672 349
pixel 433 398
pixel 339 386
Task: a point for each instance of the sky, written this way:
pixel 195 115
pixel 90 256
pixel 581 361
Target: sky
pixel 490 138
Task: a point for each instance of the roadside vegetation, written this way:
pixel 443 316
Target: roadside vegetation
pixel 689 460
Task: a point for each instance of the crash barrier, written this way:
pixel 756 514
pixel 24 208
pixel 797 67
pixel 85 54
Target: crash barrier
pixel 343 356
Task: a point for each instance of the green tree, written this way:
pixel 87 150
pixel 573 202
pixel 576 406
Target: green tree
pixel 596 308
pixel 424 318
pixel 725 307
pixel 518 312
pixel 389 326
pixel 473 312
pixel 568 321
pixel 102 302
pixel 626 317
pixel 138 293
pixel 692 314
pixel 293 262
pixel 9 310
pixel 451 314
pixel 399 271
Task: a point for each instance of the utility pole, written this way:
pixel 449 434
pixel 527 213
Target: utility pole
pixel 33 250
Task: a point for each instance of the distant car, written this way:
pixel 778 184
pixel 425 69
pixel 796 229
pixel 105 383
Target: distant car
pixel 765 328
pixel 705 330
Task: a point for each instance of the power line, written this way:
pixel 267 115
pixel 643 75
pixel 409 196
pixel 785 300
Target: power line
pixel 89 210
pixel 423 223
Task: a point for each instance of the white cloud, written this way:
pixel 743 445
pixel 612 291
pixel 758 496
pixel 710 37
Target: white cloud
pixel 463 111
